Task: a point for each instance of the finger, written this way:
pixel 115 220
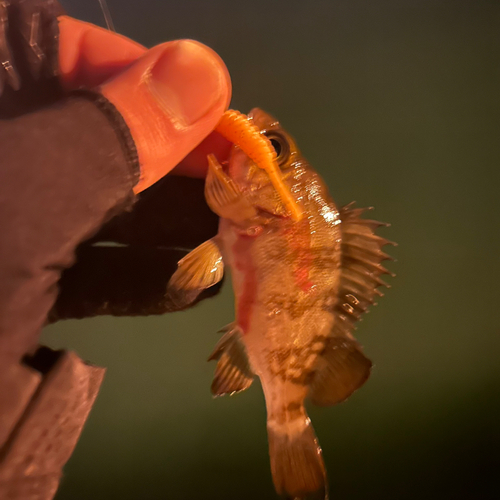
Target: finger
pixel 195 164
pixel 90 55
pixel 171 99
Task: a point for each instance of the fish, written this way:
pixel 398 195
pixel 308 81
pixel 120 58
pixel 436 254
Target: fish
pixel 300 286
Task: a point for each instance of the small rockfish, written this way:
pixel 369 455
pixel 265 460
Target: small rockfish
pixel 300 285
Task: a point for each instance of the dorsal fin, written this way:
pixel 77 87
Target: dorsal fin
pixel 342 367
pixel 362 268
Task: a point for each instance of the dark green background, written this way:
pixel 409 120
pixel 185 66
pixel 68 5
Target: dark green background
pixel 396 104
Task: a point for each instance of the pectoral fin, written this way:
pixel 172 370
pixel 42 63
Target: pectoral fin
pixel 341 370
pixel 198 270
pixel 223 195
pixel 233 372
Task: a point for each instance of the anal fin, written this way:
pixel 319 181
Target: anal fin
pixel 233 372
pixel 342 368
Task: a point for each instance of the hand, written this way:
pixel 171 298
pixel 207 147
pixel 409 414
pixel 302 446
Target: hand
pixel 192 85
pixel 69 171
pixel 65 176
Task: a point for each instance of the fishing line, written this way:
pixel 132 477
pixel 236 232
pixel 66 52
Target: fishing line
pixel 107 15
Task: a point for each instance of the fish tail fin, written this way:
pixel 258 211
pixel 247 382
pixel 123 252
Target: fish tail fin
pixel 296 460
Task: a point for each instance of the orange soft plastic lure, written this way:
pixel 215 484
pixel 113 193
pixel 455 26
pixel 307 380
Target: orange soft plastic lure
pixel 238 129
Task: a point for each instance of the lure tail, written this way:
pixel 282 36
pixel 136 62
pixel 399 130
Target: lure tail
pixel 296 460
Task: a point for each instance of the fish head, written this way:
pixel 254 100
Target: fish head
pixel 244 192
pixel 253 181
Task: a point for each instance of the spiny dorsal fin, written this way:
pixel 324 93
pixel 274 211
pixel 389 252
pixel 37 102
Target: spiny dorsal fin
pixel 233 372
pixel 362 256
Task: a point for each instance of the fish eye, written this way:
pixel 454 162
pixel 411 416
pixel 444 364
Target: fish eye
pixel 280 145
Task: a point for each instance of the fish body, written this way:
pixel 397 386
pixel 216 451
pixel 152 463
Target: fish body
pixel 299 287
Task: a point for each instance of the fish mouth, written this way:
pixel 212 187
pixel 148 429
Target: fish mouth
pixel 225 166
pixel 264 212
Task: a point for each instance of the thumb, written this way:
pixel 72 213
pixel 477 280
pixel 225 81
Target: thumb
pixel 171 99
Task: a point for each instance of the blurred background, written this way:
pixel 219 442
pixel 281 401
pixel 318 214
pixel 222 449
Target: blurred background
pixel 396 104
